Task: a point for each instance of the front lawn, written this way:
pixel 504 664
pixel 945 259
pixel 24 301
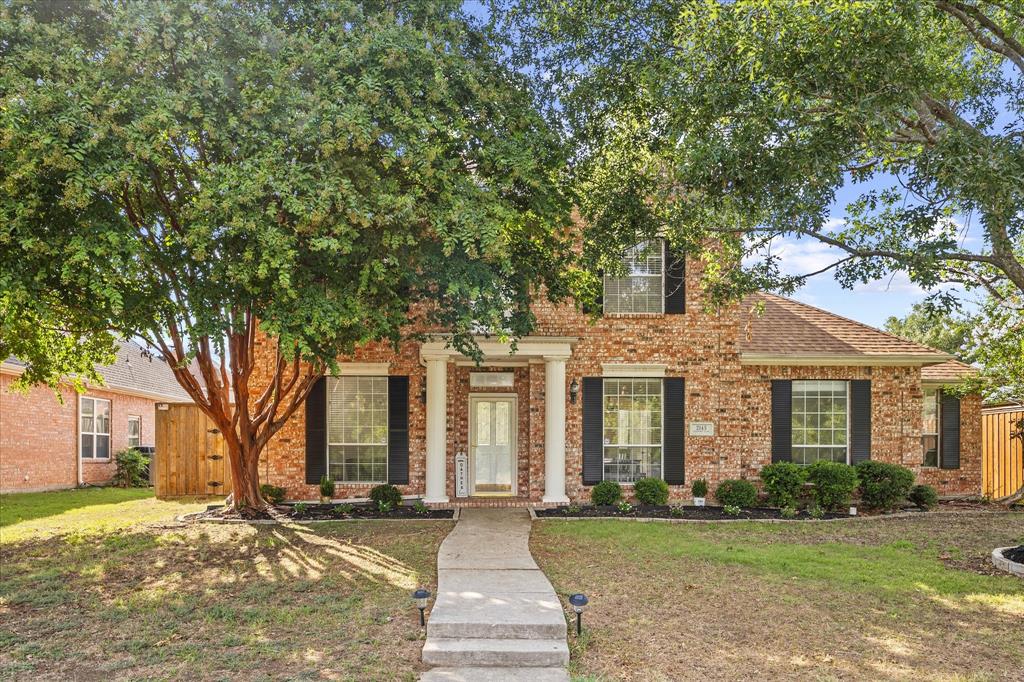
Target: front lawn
pixel 184 601
pixel 863 599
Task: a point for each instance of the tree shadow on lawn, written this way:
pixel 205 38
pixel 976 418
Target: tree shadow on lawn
pixel 210 601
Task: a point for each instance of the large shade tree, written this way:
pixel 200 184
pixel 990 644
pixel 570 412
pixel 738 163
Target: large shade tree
pixel 730 125
pixel 326 172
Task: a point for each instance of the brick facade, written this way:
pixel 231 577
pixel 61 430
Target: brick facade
pixel 701 346
pixel 39 436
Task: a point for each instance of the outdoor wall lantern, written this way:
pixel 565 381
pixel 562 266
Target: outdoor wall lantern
pixel 421 596
pixel 579 603
pixel 574 390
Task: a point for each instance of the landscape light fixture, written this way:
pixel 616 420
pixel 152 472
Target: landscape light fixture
pixel 578 602
pixel 421 596
pixel 574 390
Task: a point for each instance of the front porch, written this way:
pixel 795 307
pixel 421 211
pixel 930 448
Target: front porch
pixel 495 430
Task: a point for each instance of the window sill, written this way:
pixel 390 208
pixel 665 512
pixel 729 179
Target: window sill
pixel 98 460
pixel 632 315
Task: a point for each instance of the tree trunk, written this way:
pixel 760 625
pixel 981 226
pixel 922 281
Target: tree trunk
pixel 245 478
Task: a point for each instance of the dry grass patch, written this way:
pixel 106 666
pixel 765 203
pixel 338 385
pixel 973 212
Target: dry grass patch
pixel 866 599
pixel 205 602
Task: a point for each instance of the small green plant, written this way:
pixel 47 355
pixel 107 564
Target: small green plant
pixel 420 508
pixel 882 485
pixel 299 508
pixel 624 507
pixel 272 493
pixel 816 512
pixel 732 509
pixel 131 469
pixel 783 481
pixel 342 509
pixel 924 496
pixel 651 491
pixel 573 509
pixel 606 493
pixel 834 483
pixel 384 507
pixel 386 492
pixel 788 512
pixel 737 493
pixel 676 512
pixel 326 487
pixel 699 488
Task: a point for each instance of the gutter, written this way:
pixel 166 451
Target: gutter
pixel 838 360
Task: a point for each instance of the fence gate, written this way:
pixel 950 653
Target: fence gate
pixel 190 455
pixel 1002 438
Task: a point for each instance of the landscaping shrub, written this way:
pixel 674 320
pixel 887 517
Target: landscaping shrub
pixel 131 467
pixel 605 493
pixel 272 493
pixel 924 496
pixel 736 493
pixel 783 482
pixel 699 488
pixel 651 491
pixel 834 483
pixel 385 493
pixel 326 486
pixel 882 485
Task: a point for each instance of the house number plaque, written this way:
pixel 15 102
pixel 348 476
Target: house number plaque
pixel 702 428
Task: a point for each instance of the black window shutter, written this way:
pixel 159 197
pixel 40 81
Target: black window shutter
pixel 782 420
pixel 860 420
pixel 675 282
pixel 593 430
pixel 674 422
pixel 398 430
pixel 949 424
pixel 316 432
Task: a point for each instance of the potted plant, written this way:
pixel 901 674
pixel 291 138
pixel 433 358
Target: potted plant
pixel 326 489
pixel 699 488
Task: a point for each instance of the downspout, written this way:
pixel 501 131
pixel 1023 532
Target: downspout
pixel 78 438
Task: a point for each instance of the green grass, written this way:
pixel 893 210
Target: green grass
pixel 877 599
pixel 87 510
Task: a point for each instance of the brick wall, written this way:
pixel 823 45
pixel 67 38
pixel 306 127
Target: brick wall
pixel 39 436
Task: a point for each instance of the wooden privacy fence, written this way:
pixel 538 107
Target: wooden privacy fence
pixel 190 455
pixel 1002 449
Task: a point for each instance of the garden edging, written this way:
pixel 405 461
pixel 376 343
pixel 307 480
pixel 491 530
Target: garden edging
pixel 198 517
pixel 1005 564
pixel 641 519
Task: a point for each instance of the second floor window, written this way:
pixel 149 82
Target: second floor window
pixel 642 288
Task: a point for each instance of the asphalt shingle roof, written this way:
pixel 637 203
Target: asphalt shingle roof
pixel 950 370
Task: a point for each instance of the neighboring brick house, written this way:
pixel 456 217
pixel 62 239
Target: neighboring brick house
pixel 655 385
pixel 46 444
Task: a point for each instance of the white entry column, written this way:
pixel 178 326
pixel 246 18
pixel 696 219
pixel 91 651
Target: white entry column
pixel 554 429
pixel 437 430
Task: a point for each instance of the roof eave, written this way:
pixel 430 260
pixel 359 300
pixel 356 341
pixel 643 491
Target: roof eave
pixel 844 360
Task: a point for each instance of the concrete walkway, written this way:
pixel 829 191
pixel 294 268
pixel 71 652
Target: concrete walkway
pixel 496 616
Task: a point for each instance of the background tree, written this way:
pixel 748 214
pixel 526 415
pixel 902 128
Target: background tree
pixel 191 173
pixel 938 328
pixel 740 120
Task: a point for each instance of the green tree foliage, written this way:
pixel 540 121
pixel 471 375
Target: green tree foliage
pixel 936 328
pixel 191 172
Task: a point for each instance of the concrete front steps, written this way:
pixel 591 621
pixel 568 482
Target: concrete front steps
pixel 530 653
pixel 480 674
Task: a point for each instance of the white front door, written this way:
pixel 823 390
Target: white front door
pixel 492 441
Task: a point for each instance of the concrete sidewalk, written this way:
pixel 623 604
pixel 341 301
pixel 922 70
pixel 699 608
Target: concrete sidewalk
pixel 496 616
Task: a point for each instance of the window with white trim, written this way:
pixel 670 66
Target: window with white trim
pixel 821 412
pixel 134 431
pixel 632 429
pixel 930 428
pixel 94 427
pixel 357 429
pixel 642 288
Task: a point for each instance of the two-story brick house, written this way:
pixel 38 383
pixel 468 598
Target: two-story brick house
pixel 654 386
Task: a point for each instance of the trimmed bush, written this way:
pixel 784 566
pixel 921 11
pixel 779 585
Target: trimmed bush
pixel 783 481
pixel 834 483
pixel 699 488
pixel 272 493
pixel 736 493
pixel 924 496
pixel 131 467
pixel 326 486
pixel 882 485
pixel 385 493
pixel 651 491
pixel 606 493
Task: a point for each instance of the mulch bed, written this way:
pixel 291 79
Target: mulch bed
pixel 324 512
pixel 709 513
pixel 1015 554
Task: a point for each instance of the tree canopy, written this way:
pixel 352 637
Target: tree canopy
pixel 330 173
pixel 935 328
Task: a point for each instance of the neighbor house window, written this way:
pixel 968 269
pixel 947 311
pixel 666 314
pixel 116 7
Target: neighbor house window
pixel 820 421
pixel 134 431
pixel 357 429
pixel 632 429
pixel 94 427
pixel 642 289
pixel 930 428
